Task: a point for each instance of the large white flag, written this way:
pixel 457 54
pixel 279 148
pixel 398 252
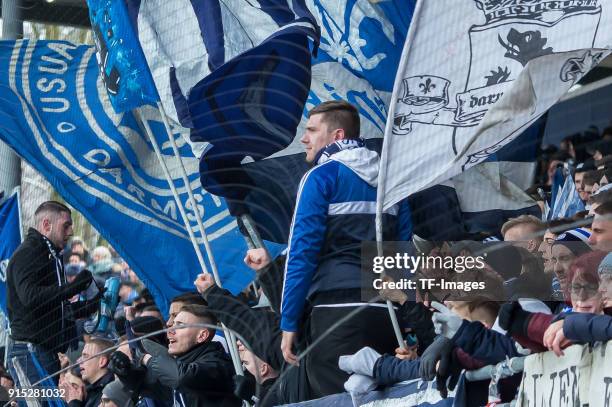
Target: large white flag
pixel 475 73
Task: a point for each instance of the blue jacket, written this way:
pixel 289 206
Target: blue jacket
pixel 335 211
pixel 389 370
pixel 587 327
pixel 484 344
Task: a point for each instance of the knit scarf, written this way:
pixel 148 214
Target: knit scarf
pixel 59 271
pixel 325 154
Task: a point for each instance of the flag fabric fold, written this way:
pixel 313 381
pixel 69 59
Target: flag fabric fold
pixel 56 114
pixel 236 73
pixel 185 41
pixel 478 201
pixel 407 393
pixel 120 58
pixel 249 107
pixel 465 91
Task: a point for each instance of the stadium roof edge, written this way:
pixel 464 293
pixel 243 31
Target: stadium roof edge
pixel 72 13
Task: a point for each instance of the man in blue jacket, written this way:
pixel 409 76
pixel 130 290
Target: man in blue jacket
pixel 334 213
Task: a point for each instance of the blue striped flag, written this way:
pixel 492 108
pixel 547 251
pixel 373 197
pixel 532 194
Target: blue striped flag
pixel 56 114
pixel 567 200
pixel 122 64
pixel 236 73
pixel 10 238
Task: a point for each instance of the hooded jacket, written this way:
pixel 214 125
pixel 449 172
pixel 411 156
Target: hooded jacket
pixel 335 212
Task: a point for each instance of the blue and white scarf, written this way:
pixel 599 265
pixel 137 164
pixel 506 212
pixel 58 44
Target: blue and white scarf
pixel 337 146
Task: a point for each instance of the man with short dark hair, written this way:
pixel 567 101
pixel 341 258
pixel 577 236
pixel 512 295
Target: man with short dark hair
pixel 198 370
pixel 94 371
pixel 601 197
pixel 264 375
pixel 334 213
pixel 41 316
pixel 581 169
pixel 178 302
pixel 589 179
pixel 151 311
pixel 190 298
pixel 6 380
pixel 180 340
pixel 601 229
pixel 338 115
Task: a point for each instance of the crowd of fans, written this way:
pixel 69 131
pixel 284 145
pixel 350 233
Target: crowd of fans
pixel 551 287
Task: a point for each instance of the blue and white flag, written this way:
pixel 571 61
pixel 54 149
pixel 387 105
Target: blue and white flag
pixel 414 393
pixel 237 73
pixel 186 41
pixel 558 181
pixel 567 202
pixel 479 200
pixel 122 64
pixel 475 74
pixel 562 193
pixel 55 113
pixel 358 55
pixel 10 238
pixel 546 212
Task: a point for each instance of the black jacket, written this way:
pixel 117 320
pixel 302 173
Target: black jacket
pixel 260 328
pixel 270 280
pixel 94 392
pixel 37 305
pixel 202 377
pixel 417 317
pixel 269 394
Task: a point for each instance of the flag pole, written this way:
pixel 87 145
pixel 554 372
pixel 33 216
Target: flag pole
pixel 192 200
pixel 382 173
pixel 196 246
pixel 172 188
pixel 213 265
pixel 252 238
